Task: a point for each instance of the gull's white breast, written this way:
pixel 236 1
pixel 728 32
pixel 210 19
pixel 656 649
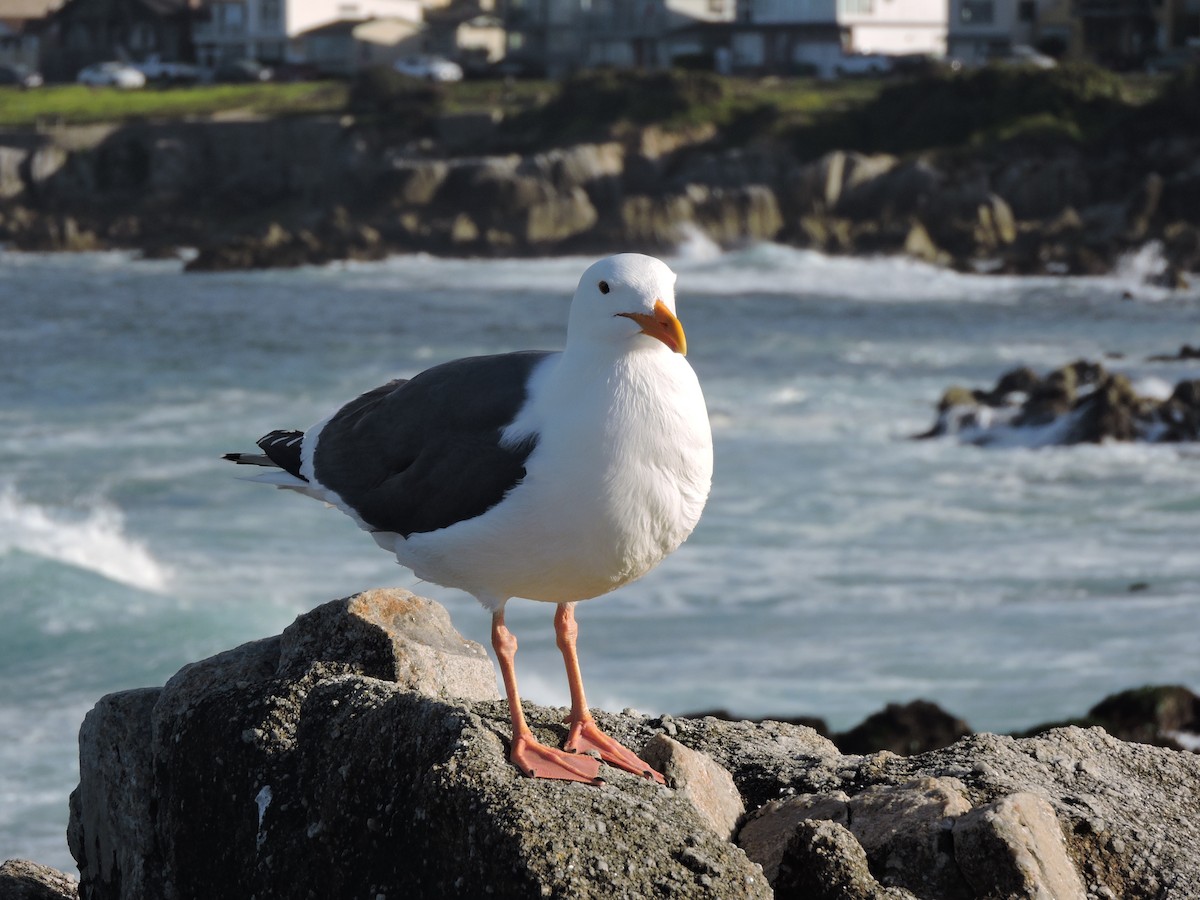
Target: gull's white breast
pixel 618 479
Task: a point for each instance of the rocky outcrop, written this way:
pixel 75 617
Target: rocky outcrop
pixel 363 753
pixel 296 191
pixel 1078 403
pixel 21 879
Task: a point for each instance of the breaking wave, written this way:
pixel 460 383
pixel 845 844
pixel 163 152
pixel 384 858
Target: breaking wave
pixel 95 541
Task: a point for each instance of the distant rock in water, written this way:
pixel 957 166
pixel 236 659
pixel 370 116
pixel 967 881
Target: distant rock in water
pixel 362 753
pixel 1186 352
pixel 1079 403
pixel 1163 715
pixel 906 729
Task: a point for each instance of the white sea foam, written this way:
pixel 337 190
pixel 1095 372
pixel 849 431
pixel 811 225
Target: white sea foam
pixel 696 245
pixel 95 541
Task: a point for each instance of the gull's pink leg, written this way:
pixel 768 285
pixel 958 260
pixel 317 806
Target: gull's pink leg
pixel 585 734
pixel 533 758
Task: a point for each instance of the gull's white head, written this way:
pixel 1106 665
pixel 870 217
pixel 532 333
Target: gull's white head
pixel 627 300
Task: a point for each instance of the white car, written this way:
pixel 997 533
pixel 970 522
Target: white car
pixel 111 74
pixel 429 68
pixel 168 72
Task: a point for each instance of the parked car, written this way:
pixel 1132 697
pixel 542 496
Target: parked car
pixel 166 72
pixel 429 68
pixel 20 76
pixel 111 74
pixel 862 64
pixel 1172 60
pixel 243 71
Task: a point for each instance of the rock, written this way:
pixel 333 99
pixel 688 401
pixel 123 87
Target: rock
pixel 111 831
pixel 582 165
pixel 919 245
pixel 1112 411
pixel 823 861
pixel 656 223
pixel 43 165
pixel 411 182
pixel 730 217
pixel 21 879
pixel 1150 715
pixel 815 188
pixel 767 833
pixel 463 130
pixel 393 635
pixel 912 728
pixel 309 770
pixel 1014 847
pixel 707 785
pixel 1044 188
pixel 1078 403
pixel 903 830
pixel 1068 786
pixel 12 161
pixel 559 217
pixel 335 760
pixel 1185 352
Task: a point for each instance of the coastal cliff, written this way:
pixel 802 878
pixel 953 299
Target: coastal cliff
pixel 362 752
pixel 1064 183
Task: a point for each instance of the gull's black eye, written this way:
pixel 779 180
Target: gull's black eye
pixel 603 287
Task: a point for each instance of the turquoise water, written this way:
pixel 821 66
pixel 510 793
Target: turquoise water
pixel 839 565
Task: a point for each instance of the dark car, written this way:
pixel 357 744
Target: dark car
pixel 20 76
pixel 243 71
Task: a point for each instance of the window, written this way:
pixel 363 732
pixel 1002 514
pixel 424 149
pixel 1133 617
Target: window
pixel 856 7
pixel 1027 11
pixel 233 17
pixel 976 12
pixel 269 14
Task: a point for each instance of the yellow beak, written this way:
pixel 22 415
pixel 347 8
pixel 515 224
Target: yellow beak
pixel 662 325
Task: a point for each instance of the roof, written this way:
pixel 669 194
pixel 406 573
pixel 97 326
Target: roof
pixel 106 9
pixel 16 10
pixel 349 26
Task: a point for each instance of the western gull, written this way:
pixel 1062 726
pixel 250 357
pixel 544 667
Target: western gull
pixel 552 476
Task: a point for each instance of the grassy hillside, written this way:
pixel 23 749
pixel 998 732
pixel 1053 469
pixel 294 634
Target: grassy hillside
pixel 1075 104
pixel 76 104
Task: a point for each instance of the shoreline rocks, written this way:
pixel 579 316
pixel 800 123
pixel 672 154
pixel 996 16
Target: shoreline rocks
pixel 342 758
pixel 287 192
pixel 1081 402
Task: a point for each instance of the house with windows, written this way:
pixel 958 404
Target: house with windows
pixel 82 32
pixel 815 35
pixel 894 27
pixel 561 36
pixel 347 45
pixel 21 24
pixel 267 30
pixel 982 30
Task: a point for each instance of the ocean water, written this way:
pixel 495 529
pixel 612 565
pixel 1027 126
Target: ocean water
pixel 839 566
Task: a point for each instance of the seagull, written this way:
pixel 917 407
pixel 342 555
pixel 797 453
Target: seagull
pixel 551 476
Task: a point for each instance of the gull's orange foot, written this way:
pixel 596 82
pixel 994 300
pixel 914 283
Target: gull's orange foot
pixel 539 761
pixel 586 736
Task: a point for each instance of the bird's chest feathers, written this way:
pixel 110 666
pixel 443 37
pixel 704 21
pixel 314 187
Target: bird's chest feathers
pixel 624 446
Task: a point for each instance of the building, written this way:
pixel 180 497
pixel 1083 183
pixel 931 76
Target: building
pixel 345 46
pixel 894 27
pixel 82 32
pixel 267 30
pixel 21 23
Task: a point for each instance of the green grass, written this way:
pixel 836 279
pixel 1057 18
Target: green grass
pixel 1071 104
pixel 77 105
